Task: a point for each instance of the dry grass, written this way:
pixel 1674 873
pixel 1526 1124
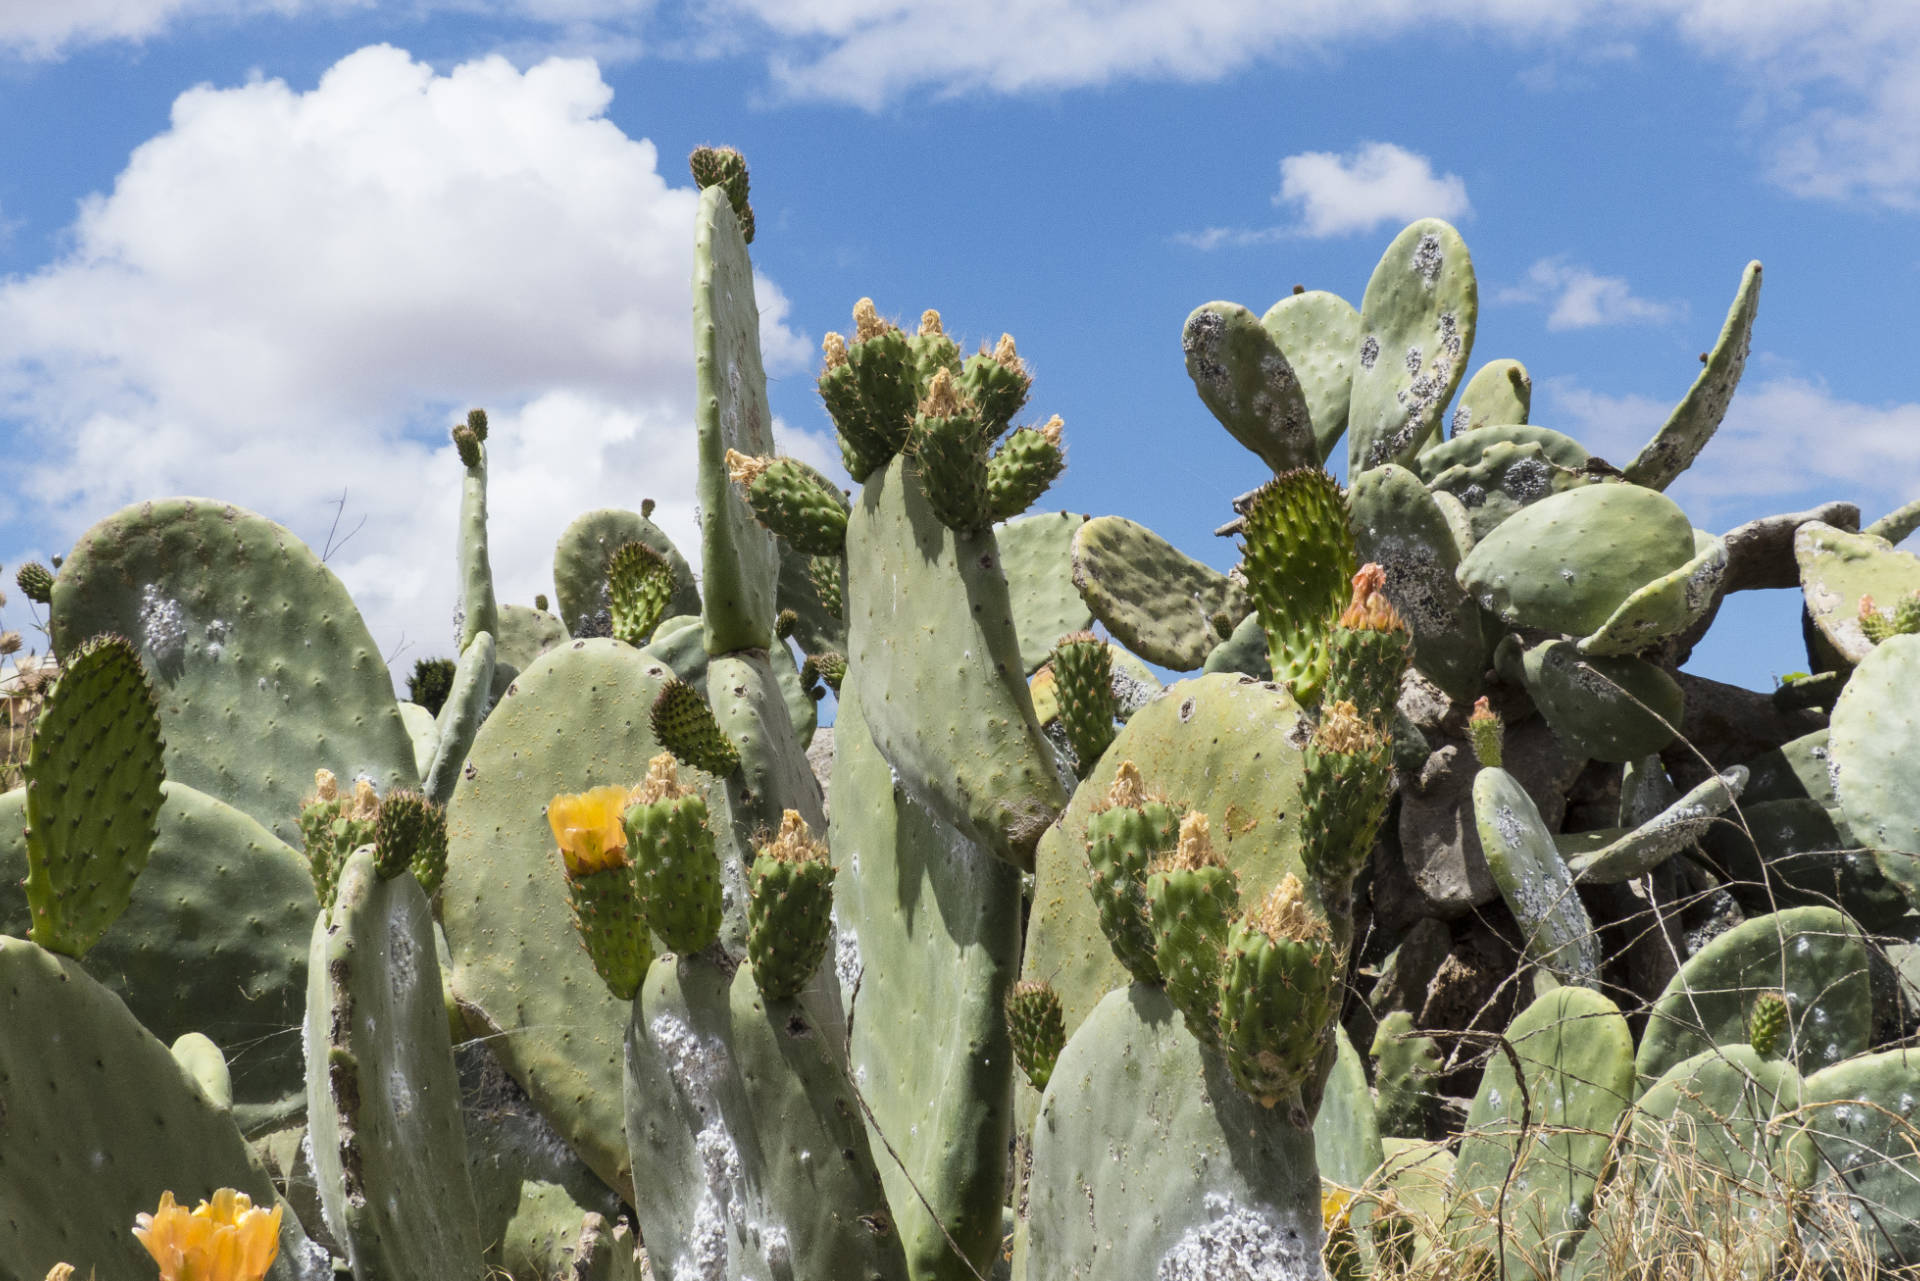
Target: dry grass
pixel 22 691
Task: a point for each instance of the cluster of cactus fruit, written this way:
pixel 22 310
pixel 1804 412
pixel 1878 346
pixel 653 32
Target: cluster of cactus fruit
pixel 562 962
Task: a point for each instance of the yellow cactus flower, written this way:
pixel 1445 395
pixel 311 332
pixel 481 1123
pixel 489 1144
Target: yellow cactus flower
pixel 225 1239
pixel 588 829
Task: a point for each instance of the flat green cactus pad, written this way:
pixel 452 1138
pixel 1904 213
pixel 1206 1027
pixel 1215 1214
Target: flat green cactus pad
pixel 1697 416
pixel 1615 854
pixel 580 569
pixel 1319 334
pixel 1608 709
pixel 214 941
pixel 1399 526
pixel 1838 569
pixel 525 634
pixel 1500 393
pixel 1559 936
pixel 263 668
pixel 1157 601
pixel 1036 552
pixel 1875 735
pixel 1667 606
pixel 1244 379
pixel 1859 1137
pixel 1416 336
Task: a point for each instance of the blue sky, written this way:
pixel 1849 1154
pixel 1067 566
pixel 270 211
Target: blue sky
pixel 266 251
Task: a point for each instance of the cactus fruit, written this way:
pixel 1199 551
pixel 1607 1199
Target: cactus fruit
pixel 725 168
pixel 793 500
pixel 686 727
pixel 1193 897
pixel 333 826
pixel 949 443
pixel 592 837
pixel 639 590
pixel 1299 566
pixel 1123 839
pixel 1027 462
pixel 1344 794
pixel 1486 731
pixel 1277 989
pixel 829 667
pixel 410 834
pixel 675 867
pixel 1036 1027
pixel 790 913
pixel 93 774
pixel 1767 1026
pixel 871 390
pixel 1369 648
pixel 431 680
pixel 36 582
pixel 1083 683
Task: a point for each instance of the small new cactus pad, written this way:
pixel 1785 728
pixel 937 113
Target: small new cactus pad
pixel 639 589
pixel 591 834
pixel 93 775
pixel 1277 989
pixel 676 869
pixel 1767 1026
pixel 725 168
pixel 1023 467
pixel 1405 1068
pixel 1343 795
pixel 468 445
pixel 1193 897
pixel 1037 1029
pixel 686 727
pixel 1369 648
pixel 431 680
pixel 1299 566
pixel 333 825
pixel 793 500
pixel 1486 730
pixel 870 389
pixel 410 834
pixel 1083 683
pixel 996 382
pixel 949 445
pixel 1122 841
pixel 36 582
pixel 790 911
pixel 1500 393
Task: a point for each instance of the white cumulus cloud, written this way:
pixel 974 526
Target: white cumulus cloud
pixel 1378 182
pixel 290 295
pixel 1578 298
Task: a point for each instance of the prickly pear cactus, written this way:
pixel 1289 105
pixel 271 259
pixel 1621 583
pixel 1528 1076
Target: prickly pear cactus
pixel 1416 335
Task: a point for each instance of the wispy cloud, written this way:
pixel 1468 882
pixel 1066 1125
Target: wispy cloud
pixel 1578 298
pixel 289 295
pixel 1342 195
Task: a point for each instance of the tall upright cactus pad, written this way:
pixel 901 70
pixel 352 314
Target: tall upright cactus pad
pixel 263 668
pixel 1244 379
pixel 1859 1136
pixel 932 649
pixel 576 719
pixel 1875 731
pixel 1319 333
pixel 740 1109
pixel 773 776
pixel 1156 600
pixel 1697 416
pixel 1813 955
pixel 1399 526
pixel 1416 335
pixel 1559 936
pixel 1499 393
pixel 584 555
pixel 479 612
pixel 1149 1164
pixel 1223 745
pixel 930 940
pixel 460 716
pixel 1036 555
pixel 383 1100
pixel 739 559
pixel 99 1121
pixel 1299 567
pixel 1532 1154
pixel 214 941
pixel 93 775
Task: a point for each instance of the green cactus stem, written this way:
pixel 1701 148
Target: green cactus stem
pixel 790 911
pixel 1037 1029
pixel 686 727
pixel 1193 896
pixel 1277 989
pixel 676 869
pixel 1123 839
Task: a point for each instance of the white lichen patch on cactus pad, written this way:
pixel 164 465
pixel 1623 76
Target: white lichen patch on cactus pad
pixel 847 965
pixel 163 625
pixel 697 1065
pixel 1244 1244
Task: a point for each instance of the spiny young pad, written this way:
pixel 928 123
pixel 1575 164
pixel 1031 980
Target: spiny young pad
pixel 830 667
pixel 1037 1029
pixel 1083 681
pixel 1194 898
pixel 790 909
pixel 93 775
pixel 1123 839
pixel 467 442
pixel 1299 565
pixel 997 384
pixel 1768 1025
pixel 793 500
pixel 686 727
pixel 1022 468
pixel 676 870
pixel 410 834
pixel 824 573
pixel 639 589
pixel 477 424
pixel 1487 731
pixel 1277 994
